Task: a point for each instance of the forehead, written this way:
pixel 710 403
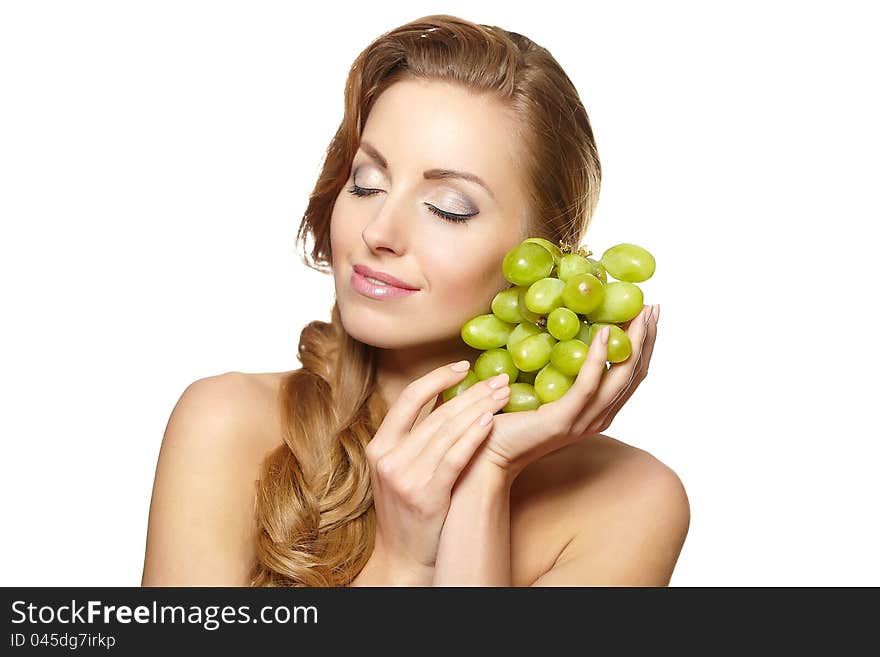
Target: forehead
pixel 433 124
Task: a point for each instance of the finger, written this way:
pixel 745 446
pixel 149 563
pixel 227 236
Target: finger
pixel 460 454
pixel 402 414
pixel 450 432
pixel 620 375
pixel 447 414
pixel 647 351
pixel 621 379
pixel 563 412
pixel 633 366
pixel 428 408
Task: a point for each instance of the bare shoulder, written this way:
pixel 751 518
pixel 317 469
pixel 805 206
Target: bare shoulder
pixel 625 483
pixel 603 498
pixel 201 523
pixel 240 407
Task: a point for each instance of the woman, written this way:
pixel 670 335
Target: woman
pixel 458 141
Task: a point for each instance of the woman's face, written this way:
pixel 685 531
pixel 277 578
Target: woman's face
pixel 418 128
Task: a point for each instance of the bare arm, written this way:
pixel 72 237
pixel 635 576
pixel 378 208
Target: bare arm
pixel 378 572
pixel 475 544
pixel 201 529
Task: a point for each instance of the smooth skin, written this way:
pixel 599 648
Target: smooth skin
pixel 525 520
pixel 597 512
pixel 414 467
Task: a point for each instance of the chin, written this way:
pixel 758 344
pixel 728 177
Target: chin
pixel 373 326
pixel 379 339
pixel 386 330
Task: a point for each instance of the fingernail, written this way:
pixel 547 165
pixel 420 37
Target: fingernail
pixel 603 334
pixel 461 366
pixel 648 312
pixel 656 313
pixel 485 419
pixel 499 380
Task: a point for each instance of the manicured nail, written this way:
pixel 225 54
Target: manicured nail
pixel 485 419
pixel 461 366
pixel 499 380
pixel 648 312
pixel 603 334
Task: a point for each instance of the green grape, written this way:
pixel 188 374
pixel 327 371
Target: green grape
pixel 598 270
pixel 551 384
pixel 563 323
pixel 622 302
pixel 505 306
pixel 486 332
pixel 527 315
pixel 469 379
pixel 495 361
pixel 544 295
pixel 540 329
pixel 547 244
pixel 619 345
pixel 628 262
pixel 526 263
pixel 584 332
pixel 567 356
pixel 582 293
pixel 527 377
pixel 522 398
pixel 571 264
pixel 522 330
pixel 533 352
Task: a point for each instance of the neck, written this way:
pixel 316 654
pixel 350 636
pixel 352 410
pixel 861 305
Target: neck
pixel 397 368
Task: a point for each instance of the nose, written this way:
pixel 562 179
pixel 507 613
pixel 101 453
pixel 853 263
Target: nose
pixel 387 231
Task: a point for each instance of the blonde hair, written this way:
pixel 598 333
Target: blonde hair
pixel 314 500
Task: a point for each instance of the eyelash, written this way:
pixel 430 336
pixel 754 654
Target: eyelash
pixel 448 216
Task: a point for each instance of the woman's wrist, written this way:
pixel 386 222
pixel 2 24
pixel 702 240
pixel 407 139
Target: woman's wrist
pixel 380 571
pixel 474 548
pixel 485 474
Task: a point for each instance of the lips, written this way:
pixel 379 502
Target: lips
pixel 363 270
pixel 378 291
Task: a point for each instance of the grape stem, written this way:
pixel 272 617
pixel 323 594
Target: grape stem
pixel 567 248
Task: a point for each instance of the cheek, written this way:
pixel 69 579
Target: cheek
pixel 341 232
pixel 336 219
pixel 467 281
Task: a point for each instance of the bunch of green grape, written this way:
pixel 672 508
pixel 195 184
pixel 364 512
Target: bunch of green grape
pixel 541 327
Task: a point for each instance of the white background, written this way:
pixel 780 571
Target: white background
pixel 156 159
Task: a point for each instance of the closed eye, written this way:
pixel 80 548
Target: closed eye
pixel 448 216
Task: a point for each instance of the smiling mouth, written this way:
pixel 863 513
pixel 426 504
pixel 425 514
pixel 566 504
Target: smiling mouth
pixel 376 281
pixel 374 289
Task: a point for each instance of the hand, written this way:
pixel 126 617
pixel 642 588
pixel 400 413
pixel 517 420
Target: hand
pixel 588 407
pixel 413 468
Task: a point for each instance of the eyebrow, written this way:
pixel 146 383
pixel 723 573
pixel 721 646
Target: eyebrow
pixel 430 174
